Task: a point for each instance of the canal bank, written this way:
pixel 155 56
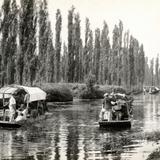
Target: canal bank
pixel 65 92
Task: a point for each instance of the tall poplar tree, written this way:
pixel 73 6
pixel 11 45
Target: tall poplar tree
pixel 12 43
pixel 28 23
pixel 5 49
pixel 131 63
pixel 50 56
pixel 58 45
pixel 147 72
pixel 136 61
pixel 142 65
pixel 77 47
pixel 125 61
pixel 114 56
pixel 70 67
pixel 120 52
pixel 43 23
pixel 86 49
pixel 97 52
pixel 64 63
pixel 105 51
pixel 157 70
pixel 152 71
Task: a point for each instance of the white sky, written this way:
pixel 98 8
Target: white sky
pixel 141 17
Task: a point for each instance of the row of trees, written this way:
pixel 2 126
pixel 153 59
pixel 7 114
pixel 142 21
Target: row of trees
pixel 152 71
pixel 29 55
pixel 122 63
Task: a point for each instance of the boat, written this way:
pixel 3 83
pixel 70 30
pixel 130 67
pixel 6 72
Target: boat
pixel 119 117
pixel 115 124
pixel 36 105
pixel 6 124
pixel 154 90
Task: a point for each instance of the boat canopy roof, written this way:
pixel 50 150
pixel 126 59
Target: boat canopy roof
pixel 35 93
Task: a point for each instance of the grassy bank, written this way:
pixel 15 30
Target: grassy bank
pixel 64 92
pixel 81 91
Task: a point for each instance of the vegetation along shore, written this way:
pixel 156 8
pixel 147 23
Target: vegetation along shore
pixel 46 59
pixel 31 53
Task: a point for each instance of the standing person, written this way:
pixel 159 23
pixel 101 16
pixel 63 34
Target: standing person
pixel 103 109
pixel 144 91
pixel 12 108
pixel 102 113
pixel 26 99
pixel 107 105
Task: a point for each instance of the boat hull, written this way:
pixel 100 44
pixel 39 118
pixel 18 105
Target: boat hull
pixel 6 124
pixel 115 124
pixel 24 123
pixel 154 92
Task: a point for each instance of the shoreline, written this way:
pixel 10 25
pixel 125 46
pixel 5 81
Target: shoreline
pixel 66 92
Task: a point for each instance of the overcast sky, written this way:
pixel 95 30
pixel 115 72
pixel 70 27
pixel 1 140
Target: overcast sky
pixel 141 17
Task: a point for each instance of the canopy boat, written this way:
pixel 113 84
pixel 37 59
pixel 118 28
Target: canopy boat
pixel 119 116
pixel 36 105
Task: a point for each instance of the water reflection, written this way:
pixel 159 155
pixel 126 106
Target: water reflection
pixel 72 133
pixel 151 119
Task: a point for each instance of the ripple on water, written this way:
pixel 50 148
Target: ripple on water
pixel 72 132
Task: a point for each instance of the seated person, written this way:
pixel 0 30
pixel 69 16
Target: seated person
pixel 22 114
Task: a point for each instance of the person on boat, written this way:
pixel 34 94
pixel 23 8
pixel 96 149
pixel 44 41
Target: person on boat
pixel 108 102
pixel 12 108
pixel 22 113
pixel 116 109
pixel 26 99
pixel 123 109
pixel 102 112
pixel 144 91
pixel 103 109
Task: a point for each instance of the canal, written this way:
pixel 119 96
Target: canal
pixel 71 132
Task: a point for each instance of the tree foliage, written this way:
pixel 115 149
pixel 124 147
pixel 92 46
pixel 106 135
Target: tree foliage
pixel 58 46
pixel 29 55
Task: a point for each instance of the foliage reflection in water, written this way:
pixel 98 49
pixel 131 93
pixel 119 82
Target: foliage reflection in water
pixel 71 132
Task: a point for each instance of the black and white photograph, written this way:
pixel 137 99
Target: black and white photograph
pixel 79 80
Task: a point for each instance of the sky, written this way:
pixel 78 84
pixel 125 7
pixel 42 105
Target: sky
pixel 141 17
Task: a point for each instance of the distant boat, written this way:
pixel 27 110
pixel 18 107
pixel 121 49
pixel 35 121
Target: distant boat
pixel 154 90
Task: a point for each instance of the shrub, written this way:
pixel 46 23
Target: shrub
pixel 90 82
pixel 90 91
pixel 57 92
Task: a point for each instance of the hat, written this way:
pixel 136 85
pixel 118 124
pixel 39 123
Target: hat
pixel 106 94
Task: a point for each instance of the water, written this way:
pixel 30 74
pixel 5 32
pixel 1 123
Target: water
pixel 71 132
